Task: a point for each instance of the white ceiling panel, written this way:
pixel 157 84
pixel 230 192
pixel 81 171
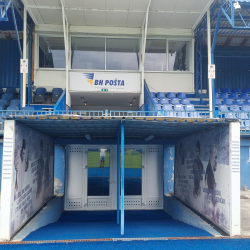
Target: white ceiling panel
pixel 191 5
pixel 53 3
pixel 179 21
pixel 51 16
pixel 38 16
pixel 158 20
pixel 135 20
pixel 96 18
pixel 73 3
pixel 76 17
pixel 138 4
pixel 117 19
pixel 163 5
pixel 30 2
pixel 94 4
pixel 117 4
pixel 192 20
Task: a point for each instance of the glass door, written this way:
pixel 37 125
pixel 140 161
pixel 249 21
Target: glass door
pixel 133 181
pixel 98 177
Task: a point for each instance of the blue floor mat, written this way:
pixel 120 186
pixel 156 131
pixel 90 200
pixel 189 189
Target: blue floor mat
pixel 102 224
pixel 217 244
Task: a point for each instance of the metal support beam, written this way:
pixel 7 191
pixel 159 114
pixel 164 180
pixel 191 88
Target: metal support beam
pixel 118 176
pixel 30 67
pixel 212 56
pixel 122 178
pixel 209 62
pixel 143 48
pixel 4 6
pixel 228 41
pixel 23 97
pixel 20 51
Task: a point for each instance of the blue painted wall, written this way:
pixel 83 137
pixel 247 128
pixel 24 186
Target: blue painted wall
pixel 231 72
pixel 1 161
pixel 169 156
pixel 9 64
pixel 59 169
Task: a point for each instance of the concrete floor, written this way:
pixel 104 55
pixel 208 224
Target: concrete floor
pixel 245 213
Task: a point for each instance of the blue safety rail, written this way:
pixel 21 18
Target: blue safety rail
pixel 149 104
pixel 61 103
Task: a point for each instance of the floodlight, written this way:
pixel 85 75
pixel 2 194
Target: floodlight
pixel 149 137
pixel 130 104
pixel 237 6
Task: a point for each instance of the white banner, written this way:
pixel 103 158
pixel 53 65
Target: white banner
pixel 28 179
pixel 203 174
pixel 105 82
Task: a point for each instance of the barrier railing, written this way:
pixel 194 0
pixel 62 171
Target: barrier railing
pixel 243 117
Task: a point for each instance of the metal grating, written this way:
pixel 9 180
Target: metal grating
pixel 74 203
pixel 154 202
pixel 132 202
pixel 95 202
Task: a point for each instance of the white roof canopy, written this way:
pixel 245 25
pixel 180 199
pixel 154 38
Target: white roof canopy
pixel 166 14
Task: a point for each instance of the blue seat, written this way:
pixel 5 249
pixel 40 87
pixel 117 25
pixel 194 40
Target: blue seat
pixel 152 94
pixel 239 101
pixel 15 102
pixel 247 101
pixel 185 101
pixel 168 110
pixel 181 95
pixel 164 101
pixel 246 90
pixel 228 101
pixel 12 110
pixel 3 103
pixel 158 106
pixel 217 90
pixel 235 113
pixel 174 101
pixel 217 95
pixel 171 95
pixel 223 108
pixel 244 115
pixel 237 90
pixel 224 95
pixel 161 95
pixel 191 110
pixel 40 95
pixel 245 108
pixel 7 98
pixel 218 102
pixel 11 91
pixel 155 100
pixel 244 96
pixel 56 93
pixel 227 90
pixel 28 110
pixel 179 110
pixel 234 96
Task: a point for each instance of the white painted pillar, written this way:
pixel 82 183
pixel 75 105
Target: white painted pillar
pixel 209 62
pixel 24 56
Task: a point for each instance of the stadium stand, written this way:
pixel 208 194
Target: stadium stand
pixel 7 98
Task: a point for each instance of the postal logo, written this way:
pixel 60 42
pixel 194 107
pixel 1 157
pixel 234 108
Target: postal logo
pixel 89 77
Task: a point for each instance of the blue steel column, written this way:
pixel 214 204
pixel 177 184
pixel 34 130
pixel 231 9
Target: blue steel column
pixel 20 50
pixel 212 55
pixel 118 176
pixel 122 178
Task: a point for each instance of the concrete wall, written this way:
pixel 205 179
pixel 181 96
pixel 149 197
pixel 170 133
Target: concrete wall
pixel 50 79
pixel 59 172
pixel 170 82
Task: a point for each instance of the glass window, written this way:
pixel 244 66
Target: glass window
pixel 88 53
pixel 51 52
pixel 98 172
pixel 122 54
pixel 178 59
pixel 155 55
pixel 133 172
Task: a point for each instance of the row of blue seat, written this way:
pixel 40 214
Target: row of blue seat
pixel 16 108
pixel 235 90
pixel 41 95
pixel 229 101
pixel 173 101
pixel 169 95
pixel 232 95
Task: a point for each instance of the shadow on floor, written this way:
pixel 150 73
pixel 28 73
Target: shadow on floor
pixel 102 224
